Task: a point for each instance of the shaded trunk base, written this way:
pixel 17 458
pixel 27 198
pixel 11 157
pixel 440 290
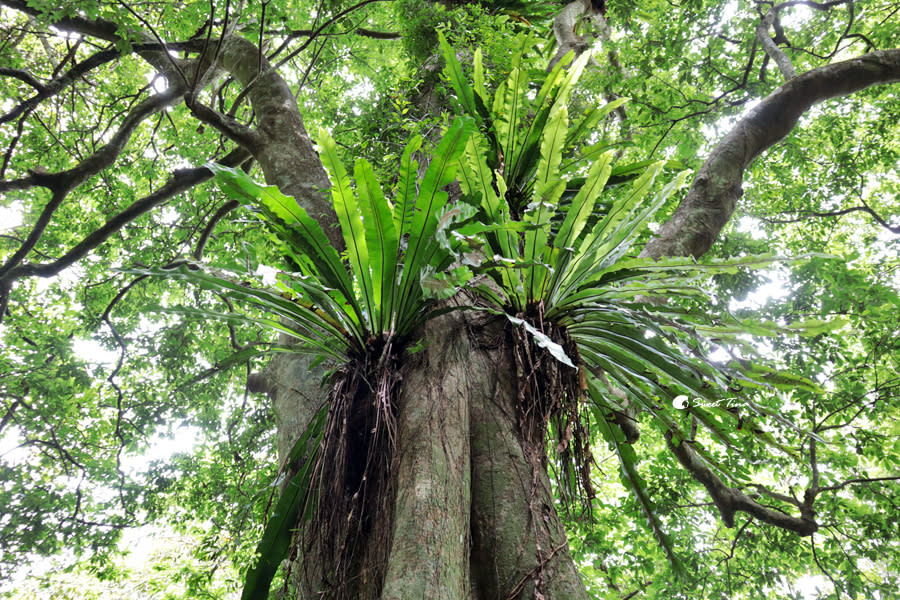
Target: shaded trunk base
pixel 474 515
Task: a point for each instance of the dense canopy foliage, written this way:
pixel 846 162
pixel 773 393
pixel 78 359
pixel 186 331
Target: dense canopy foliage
pixel 719 412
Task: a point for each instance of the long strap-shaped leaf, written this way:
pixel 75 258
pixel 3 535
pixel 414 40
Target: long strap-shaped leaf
pixel 349 216
pixel 576 218
pixel 591 119
pixel 549 98
pixel 310 326
pixel 299 229
pixel 509 100
pixel 429 202
pixel 595 245
pixel 547 190
pixel 276 539
pixel 453 69
pixel 382 241
pixel 621 239
pixel 405 198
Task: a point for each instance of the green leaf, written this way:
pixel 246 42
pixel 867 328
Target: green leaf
pixel 383 242
pixel 405 205
pixel 587 124
pixel 548 187
pixel 454 72
pixel 294 500
pixel 302 234
pixel 509 100
pixel 352 228
pixel 429 203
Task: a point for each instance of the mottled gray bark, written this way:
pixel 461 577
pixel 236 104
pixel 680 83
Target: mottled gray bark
pixel 429 550
pixel 772 50
pixel 711 200
pixel 564 26
pixel 283 147
pixel 519 546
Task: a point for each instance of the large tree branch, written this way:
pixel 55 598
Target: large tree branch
pixel 23 76
pixel 284 149
pixel 60 184
pixel 730 500
pixel 226 124
pixel 711 200
pixel 806 214
pixel 708 206
pixel 180 181
pixel 564 25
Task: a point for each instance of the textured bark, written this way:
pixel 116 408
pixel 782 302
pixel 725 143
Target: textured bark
pixel 474 514
pixel 296 391
pixel 429 550
pixel 711 200
pixel 283 147
pixel 519 546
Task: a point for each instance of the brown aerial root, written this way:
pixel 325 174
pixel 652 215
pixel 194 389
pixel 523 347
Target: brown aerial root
pixel 354 476
pixel 551 400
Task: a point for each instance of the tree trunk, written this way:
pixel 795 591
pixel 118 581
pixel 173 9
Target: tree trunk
pixel 473 515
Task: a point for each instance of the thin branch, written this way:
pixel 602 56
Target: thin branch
pixel 175 66
pixel 813 5
pixel 321 28
pixel 80 69
pixel 180 181
pixel 13 142
pixel 360 31
pixel 211 225
pixel 24 76
pixel 60 83
pixel 150 47
pixel 840 486
pixel 837 588
pixel 776 496
pixel 837 213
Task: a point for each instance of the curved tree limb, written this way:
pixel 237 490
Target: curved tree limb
pixel 730 500
pixel 60 184
pixel 711 200
pixel 180 181
pixel 226 124
pixel 708 206
pixel 285 151
pixel 23 76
